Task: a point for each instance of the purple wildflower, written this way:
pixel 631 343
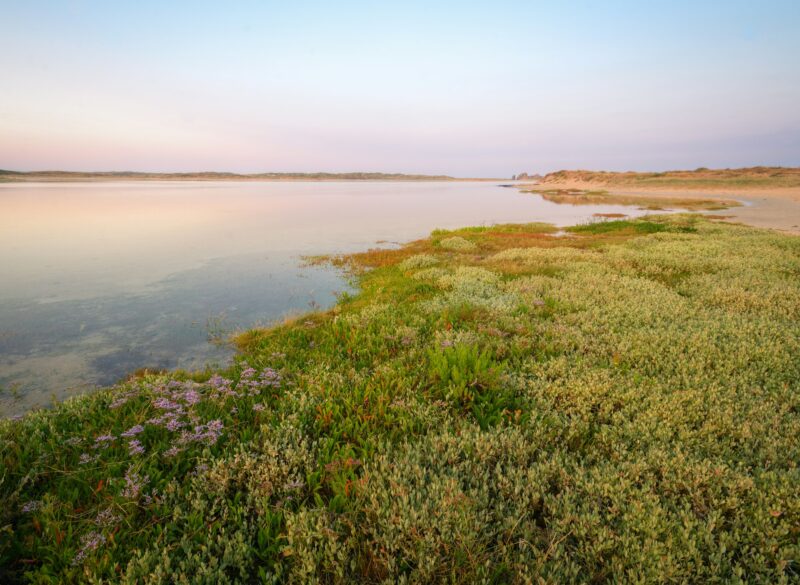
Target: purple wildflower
pixel 102 441
pixel 208 433
pixel 221 386
pixel 123 398
pixel 166 404
pixel 173 424
pixel 118 402
pixel 191 397
pixel 89 542
pixel 73 441
pixel 133 484
pixel 259 407
pixel 447 343
pixel 214 427
pixel 133 431
pixel 31 506
pixel 135 447
pixel 106 518
pixel 172 451
pixel 270 377
pixel 85 458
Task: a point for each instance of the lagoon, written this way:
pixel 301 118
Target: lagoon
pixel 99 279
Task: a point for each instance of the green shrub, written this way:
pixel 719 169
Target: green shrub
pixel 619 406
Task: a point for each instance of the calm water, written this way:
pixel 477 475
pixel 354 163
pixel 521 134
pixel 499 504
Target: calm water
pixel 99 279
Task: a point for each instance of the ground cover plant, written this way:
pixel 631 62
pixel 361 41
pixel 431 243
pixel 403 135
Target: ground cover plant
pixel 496 405
pixel 603 197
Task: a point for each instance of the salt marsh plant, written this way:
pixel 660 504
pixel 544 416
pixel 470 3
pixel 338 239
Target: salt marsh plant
pixel 621 405
pixel 457 244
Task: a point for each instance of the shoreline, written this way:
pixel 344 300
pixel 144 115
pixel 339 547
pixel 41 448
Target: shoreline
pixel 774 208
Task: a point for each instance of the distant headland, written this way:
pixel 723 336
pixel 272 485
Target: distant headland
pixel 58 176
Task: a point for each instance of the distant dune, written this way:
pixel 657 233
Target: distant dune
pixel 13 176
pixel 699 179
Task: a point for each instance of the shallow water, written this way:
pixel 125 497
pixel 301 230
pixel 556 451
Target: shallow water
pixel 100 279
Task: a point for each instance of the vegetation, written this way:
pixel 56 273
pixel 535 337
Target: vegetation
pixel 702 178
pixel 621 404
pixel 601 197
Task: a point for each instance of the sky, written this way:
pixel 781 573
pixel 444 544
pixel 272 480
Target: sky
pixel 470 89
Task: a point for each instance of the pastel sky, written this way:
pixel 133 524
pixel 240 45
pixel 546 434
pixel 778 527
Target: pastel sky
pixel 463 88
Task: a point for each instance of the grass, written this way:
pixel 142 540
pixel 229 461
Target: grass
pixel 617 405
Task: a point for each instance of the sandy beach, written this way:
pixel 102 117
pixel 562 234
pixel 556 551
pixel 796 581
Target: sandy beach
pixel 774 208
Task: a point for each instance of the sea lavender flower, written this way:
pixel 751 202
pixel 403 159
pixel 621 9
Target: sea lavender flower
pixel 172 451
pixel 133 484
pixel 270 377
pixel 118 402
pixel 73 441
pixel 31 506
pixel 89 542
pixel 173 424
pixel 259 407
pixel 166 404
pixel 156 421
pixel 135 447
pixel 85 458
pixel 208 433
pixel 191 397
pixel 133 431
pixel 214 428
pixel 123 398
pixel 103 441
pixel 221 386
pixel 106 518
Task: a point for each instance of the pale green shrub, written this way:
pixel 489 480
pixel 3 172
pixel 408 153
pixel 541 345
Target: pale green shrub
pixel 430 274
pixel 458 244
pixel 474 287
pixel 418 261
pixel 544 256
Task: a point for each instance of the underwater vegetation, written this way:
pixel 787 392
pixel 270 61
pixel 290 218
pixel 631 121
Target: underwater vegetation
pixel 496 404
